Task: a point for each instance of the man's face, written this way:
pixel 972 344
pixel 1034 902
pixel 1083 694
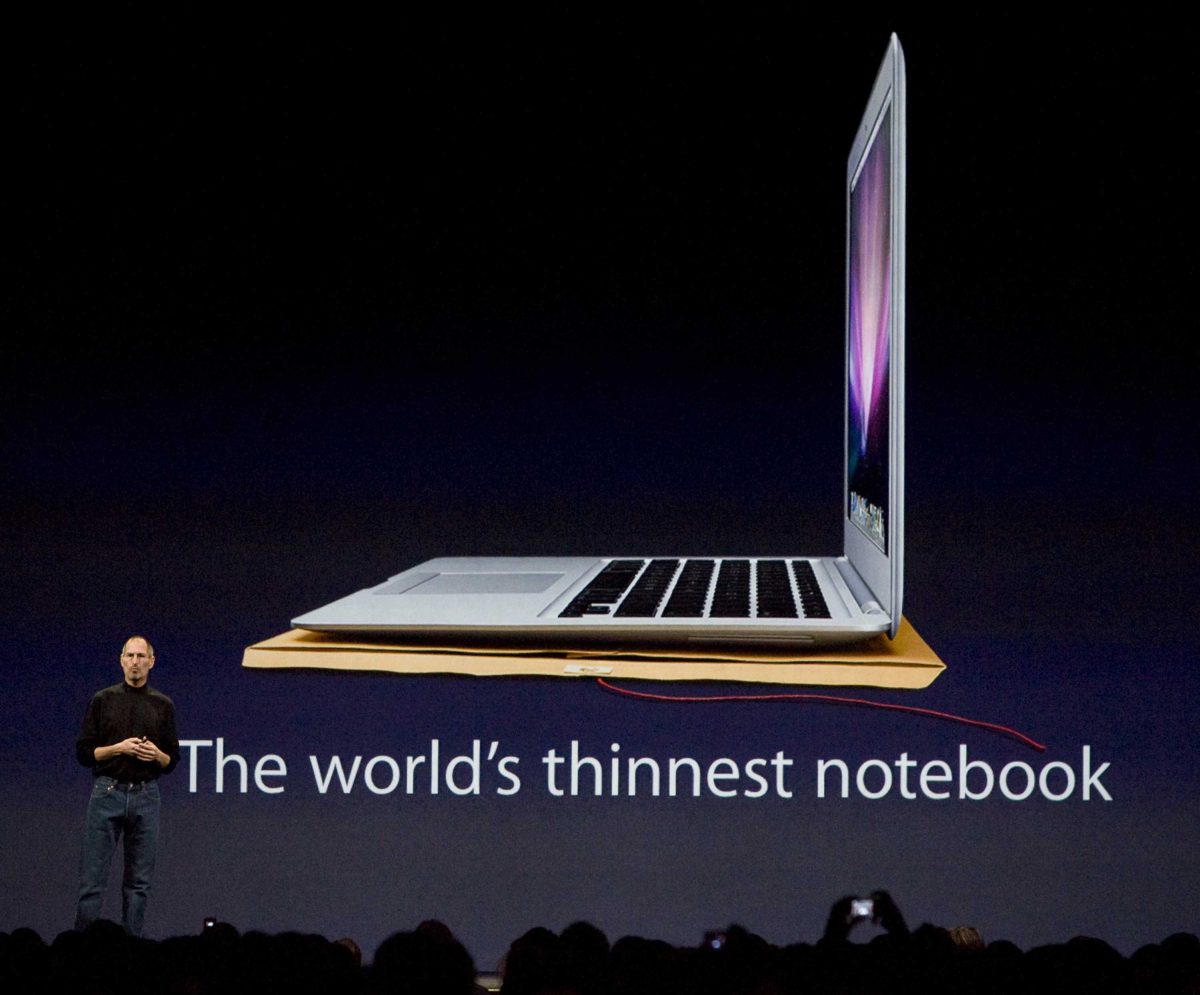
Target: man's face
pixel 136 661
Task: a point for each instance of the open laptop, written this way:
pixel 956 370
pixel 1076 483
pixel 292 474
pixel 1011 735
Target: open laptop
pixel 648 601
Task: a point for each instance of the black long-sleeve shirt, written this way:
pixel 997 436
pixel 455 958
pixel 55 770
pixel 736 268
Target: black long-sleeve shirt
pixel 121 711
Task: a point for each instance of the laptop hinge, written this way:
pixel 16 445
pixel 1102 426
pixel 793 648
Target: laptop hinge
pixel 862 593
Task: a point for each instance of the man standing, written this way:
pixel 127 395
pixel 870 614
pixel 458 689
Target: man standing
pixel 128 738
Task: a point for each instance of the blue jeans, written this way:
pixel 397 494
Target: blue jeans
pixel 116 811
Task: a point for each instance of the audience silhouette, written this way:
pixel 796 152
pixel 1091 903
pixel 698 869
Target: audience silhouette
pixel 430 960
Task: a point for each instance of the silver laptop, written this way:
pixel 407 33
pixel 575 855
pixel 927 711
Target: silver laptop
pixel 652 600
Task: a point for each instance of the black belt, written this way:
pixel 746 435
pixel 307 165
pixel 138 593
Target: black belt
pixel 126 785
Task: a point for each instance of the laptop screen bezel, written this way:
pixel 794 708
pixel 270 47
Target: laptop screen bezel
pixel 882 572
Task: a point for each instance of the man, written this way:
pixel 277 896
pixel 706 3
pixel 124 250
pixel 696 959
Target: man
pixel 128 739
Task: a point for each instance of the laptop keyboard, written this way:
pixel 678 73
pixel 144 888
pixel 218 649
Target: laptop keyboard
pixel 701 589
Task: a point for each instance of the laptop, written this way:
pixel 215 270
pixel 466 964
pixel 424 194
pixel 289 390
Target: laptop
pixel 662 601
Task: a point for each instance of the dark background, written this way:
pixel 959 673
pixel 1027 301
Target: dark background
pixel 295 304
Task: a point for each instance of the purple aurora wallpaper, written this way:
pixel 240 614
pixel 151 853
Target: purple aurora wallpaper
pixel 870 294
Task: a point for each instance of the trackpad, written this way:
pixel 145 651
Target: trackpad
pixel 513 583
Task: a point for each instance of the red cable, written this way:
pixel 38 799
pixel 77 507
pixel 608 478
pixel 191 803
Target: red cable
pixel 828 699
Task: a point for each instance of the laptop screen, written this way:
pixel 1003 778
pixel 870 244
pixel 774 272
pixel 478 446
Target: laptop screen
pixel 870 294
